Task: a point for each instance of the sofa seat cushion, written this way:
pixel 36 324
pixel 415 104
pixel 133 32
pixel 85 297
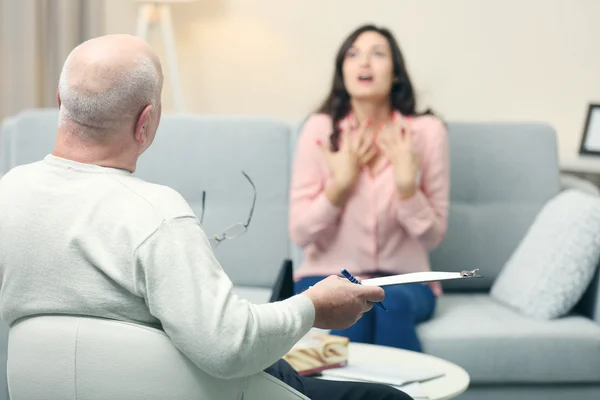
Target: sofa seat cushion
pixel 495 344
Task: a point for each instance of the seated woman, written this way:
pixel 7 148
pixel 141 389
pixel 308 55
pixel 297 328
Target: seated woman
pixel 370 187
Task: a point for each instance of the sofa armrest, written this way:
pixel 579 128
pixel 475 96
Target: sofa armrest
pixel 283 288
pixel 570 181
pixel 590 302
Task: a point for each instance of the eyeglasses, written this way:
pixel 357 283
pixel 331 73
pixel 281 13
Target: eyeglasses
pixel 234 230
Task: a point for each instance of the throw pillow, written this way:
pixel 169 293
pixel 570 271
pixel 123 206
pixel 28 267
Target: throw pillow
pixel 555 262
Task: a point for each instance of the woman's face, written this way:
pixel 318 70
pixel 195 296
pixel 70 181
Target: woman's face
pixel 368 67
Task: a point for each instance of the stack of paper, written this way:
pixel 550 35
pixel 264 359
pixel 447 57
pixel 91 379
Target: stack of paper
pixel 395 375
pixel 405 378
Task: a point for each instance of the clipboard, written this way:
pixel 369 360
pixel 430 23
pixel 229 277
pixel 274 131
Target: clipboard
pixel 420 277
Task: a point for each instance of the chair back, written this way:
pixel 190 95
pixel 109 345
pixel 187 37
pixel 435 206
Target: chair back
pixel 94 358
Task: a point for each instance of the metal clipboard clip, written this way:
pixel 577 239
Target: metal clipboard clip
pixel 470 274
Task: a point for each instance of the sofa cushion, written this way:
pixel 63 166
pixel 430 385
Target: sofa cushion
pixel 554 264
pixel 5 128
pixel 192 154
pixel 196 153
pixel 495 344
pixel 28 137
pixel 492 200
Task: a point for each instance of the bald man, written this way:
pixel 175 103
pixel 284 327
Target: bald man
pixel 81 236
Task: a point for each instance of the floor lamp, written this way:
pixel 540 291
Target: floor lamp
pixel 153 13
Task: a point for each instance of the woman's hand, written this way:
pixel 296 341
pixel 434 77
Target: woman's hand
pixel 395 141
pixel 436 288
pixel 345 164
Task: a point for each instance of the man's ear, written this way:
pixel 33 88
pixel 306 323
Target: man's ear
pixel 58 99
pixel 141 125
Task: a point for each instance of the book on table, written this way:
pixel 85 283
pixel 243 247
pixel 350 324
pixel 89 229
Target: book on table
pixel 317 352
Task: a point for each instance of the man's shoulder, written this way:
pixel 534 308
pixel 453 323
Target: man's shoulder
pixel 20 172
pixel 163 200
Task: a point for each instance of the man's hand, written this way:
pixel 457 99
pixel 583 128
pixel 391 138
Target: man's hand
pixel 339 303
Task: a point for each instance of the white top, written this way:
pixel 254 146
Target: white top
pixel 81 239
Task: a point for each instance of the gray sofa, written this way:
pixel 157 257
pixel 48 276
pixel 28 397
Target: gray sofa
pixel 498 186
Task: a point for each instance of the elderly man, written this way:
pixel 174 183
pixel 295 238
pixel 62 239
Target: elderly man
pixel 81 236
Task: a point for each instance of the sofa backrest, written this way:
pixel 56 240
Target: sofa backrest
pixel 27 137
pixel 196 153
pixel 501 176
pixel 5 127
pixel 192 154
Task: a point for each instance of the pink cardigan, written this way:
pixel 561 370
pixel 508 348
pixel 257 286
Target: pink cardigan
pixel 375 232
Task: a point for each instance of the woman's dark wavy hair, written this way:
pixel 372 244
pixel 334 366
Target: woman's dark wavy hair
pixel 402 95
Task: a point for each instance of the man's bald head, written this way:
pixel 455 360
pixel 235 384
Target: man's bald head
pixel 106 83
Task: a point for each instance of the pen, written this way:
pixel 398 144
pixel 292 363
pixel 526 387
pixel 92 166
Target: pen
pixel 352 279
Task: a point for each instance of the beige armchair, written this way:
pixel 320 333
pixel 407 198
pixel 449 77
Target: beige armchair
pixel 70 357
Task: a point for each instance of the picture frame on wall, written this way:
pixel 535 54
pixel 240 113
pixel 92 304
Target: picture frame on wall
pixel 590 140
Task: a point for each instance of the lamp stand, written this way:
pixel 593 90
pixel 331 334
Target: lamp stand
pixel 151 14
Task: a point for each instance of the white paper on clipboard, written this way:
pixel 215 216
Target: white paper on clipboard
pixel 419 277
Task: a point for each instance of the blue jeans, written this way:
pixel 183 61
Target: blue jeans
pixel 407 306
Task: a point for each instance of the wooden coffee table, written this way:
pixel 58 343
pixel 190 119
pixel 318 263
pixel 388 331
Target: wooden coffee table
pixel 454 382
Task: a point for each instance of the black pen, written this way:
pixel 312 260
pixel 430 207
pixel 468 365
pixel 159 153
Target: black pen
pixel 352 279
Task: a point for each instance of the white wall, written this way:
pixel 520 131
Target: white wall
pixel 509 60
